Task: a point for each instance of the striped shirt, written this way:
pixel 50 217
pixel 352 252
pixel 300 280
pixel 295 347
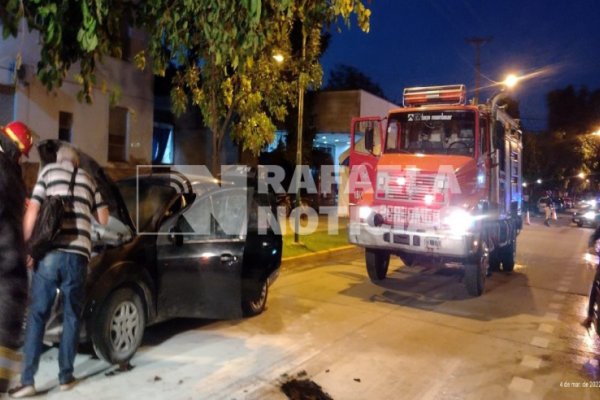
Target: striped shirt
pixel 75 234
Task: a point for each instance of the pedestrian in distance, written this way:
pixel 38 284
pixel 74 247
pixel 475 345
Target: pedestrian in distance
pixel 64 267
pixel 15 142
pixel 547 201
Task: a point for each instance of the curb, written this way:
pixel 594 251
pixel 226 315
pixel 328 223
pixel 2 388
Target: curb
pixel 319 256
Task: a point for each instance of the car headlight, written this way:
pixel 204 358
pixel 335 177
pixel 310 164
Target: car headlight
pixel 589 215
pixel 459 221
pixel 364 212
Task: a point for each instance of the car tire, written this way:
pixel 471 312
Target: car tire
pixel 508 254
pixel 118 326
pixel 580 224
pixel 377 262
pixel 256 304
pixel 476 271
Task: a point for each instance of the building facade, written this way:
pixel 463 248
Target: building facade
pixel 117 133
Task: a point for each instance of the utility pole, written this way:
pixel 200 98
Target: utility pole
pixel 478 42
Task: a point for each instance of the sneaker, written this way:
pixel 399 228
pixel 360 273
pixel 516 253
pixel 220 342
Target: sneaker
pixel 68 385
pixel 22 391
pixel 587 323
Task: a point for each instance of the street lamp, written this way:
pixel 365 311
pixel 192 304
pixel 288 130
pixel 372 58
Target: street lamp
pixel 279 58
pixel 509 82
pixel 539 181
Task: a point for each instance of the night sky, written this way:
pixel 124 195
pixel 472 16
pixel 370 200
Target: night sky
pixel 423 42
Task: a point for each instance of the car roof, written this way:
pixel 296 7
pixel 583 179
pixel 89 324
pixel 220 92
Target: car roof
pixel 183 184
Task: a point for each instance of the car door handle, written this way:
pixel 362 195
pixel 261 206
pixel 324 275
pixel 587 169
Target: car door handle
pixel 225 258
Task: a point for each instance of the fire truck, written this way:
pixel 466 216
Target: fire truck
pixel 438 182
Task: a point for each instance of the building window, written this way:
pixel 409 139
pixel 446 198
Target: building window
pixel 65 124
pixel 162 144
pixel 7 103
pixel 117 134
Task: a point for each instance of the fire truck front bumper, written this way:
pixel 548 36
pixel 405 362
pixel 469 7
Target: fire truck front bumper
pixel 442 244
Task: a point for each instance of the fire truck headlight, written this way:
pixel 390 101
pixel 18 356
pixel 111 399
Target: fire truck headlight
pixel 428 199
pixel 364 212
pixel 459 221
pixel 589 215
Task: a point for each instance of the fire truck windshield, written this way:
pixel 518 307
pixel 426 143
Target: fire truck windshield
pixel 432 132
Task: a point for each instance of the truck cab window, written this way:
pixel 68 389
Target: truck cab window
pixel 432 132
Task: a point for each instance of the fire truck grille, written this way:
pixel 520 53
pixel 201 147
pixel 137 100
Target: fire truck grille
pixel 410 187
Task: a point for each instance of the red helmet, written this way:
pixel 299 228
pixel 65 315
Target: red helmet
pixel 19 133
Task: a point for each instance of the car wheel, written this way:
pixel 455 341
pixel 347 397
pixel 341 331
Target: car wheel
pixel 118 327
pixel 476 271
pixel 378 262
pixel 508 254
pixel 256 305
pixel 580 224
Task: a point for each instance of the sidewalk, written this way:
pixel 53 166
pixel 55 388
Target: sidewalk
pixel 313 235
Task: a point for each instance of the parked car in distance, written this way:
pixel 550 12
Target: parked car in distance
pixel 187 249
pixel 568 202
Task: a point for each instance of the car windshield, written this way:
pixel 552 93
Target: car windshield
pixel 432 132
pixel 152 198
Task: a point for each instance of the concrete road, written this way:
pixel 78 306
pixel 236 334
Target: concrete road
pixel 416 335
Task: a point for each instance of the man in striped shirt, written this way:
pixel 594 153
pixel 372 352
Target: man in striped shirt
pixel 64 268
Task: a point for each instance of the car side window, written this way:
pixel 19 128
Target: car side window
pixel 219 215
pixel 230 212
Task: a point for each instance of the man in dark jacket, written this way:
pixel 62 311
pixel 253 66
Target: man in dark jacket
pixel 15 140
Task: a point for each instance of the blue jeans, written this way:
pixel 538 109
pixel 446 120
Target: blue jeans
pixel 67 272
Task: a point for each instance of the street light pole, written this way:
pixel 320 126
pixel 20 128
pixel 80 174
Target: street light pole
pixel 299 139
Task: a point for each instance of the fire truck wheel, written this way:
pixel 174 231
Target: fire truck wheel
pixel 378 262
pixel 476 271
pixel 508 254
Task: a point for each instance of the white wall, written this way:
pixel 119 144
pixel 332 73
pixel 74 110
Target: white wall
pixel 40 109
pixel 374 106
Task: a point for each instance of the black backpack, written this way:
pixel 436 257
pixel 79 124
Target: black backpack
pixel 48 222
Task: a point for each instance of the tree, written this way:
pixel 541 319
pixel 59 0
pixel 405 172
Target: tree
pixel 568 147
pixel 346 77
pixel 222 50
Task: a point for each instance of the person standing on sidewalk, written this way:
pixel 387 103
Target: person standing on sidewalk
pixel 547 201
pixel 15 141
pixel 64 267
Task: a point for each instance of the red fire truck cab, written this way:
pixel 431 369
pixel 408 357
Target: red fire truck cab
pixel 441 184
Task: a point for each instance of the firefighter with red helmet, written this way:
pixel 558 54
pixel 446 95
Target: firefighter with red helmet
pixel 15 141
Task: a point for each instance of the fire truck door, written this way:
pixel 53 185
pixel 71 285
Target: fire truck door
pixel 366 143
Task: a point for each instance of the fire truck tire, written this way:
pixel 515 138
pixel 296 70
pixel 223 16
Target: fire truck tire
pixel 508 254
pixel 378 262
pixel 476 271
pixel 495 260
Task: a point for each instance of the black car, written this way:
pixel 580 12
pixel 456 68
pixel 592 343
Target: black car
pixel 186 249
